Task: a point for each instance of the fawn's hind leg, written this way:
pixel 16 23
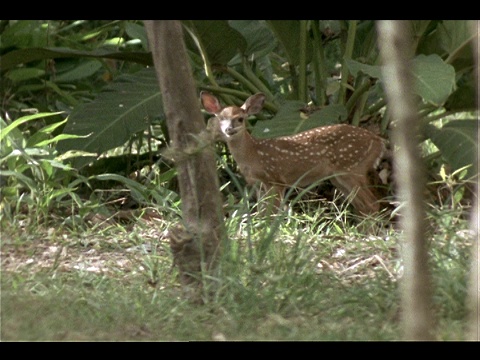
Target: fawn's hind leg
pixel 364 201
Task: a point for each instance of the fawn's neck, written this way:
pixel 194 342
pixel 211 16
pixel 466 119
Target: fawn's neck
pixel 243 147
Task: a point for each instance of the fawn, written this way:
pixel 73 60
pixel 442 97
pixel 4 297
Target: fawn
pixel 343 153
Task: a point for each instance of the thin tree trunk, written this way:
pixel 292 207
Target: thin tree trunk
pixel 473 300
pixel 396 51
pixel 196 241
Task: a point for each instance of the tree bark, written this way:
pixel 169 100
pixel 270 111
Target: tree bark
pixel 195 242
pixel 473 300
pixel 396 51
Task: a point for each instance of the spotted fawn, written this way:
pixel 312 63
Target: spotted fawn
pixel 344 154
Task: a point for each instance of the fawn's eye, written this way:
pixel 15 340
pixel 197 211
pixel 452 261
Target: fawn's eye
pixel 240 119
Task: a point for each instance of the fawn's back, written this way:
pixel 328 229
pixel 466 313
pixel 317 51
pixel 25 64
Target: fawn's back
pixel 343 153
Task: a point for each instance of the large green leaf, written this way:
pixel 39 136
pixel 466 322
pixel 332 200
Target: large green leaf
pixel 465 96
pixel 22 56
pixel 136 31
pixel 355 67
pixel 434 79
pixel 220 41
pixel 458 143
pixel 259 38
pixel 288 34
pixel 365 46
pixel 84 69
pixel 123 109
pixel 455 37
pixel 24 34
pixel 290 120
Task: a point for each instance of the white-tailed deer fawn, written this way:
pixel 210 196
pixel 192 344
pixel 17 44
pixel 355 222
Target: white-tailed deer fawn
pixel 343 153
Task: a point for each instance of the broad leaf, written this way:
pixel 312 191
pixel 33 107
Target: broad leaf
pixel 365 46
pixel 259 38
pixel 455 37
pixel 418 27
pixel 355 67
pixel 464 98
pixel 458 143
pixel 288 34
pixel 84 69
pixel 290 120
pixel 23 74
pixel 23 56
pixel 136 31
pixel 123 109
pixel 220 41
pixel 434 79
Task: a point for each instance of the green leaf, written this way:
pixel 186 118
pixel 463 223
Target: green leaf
pixel 23 56
pixel 455 37
pixel 288 34
pixel 36 152
pixel 124 108
pixel 50 128
pixel 58 165
pixel 220 41
pixel 81 71
pixel 136 31
pixel 418 27
pixel 260 40
pixel 365 47
pixel 58 138
pixel 23 74
pixel 73 154
pixel 23 34
pixel 47 167
pixel 435 80
pixel 43 134
pixel 139 192
pixel 290 120
pixel 355 67
pixel 14 136
pixel 464 97
pixel 5 131
pixel 457 141
pixel 31 184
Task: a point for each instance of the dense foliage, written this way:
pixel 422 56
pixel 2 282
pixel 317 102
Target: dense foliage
pixel 88 194
pixel 98 76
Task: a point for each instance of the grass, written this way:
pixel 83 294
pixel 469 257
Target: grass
pixel 318 274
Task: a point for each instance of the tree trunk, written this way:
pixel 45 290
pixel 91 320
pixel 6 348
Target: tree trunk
pixel 396 51
pixel 195 242
pixel 473 300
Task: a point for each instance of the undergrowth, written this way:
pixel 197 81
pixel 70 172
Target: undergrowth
pixel 321 274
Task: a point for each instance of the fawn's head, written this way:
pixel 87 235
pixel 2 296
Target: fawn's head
pixel 232 119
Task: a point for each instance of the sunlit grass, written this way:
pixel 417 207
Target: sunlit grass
pixel 316 274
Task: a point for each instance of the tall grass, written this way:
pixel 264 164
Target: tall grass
pixel 313 271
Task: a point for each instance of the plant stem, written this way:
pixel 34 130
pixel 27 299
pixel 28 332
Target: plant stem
pixel 256 81
pixel 319 66
pixel 352 28
pixel 302 67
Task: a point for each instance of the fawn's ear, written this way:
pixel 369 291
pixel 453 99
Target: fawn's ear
pixel 254 104
pixel 210 103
